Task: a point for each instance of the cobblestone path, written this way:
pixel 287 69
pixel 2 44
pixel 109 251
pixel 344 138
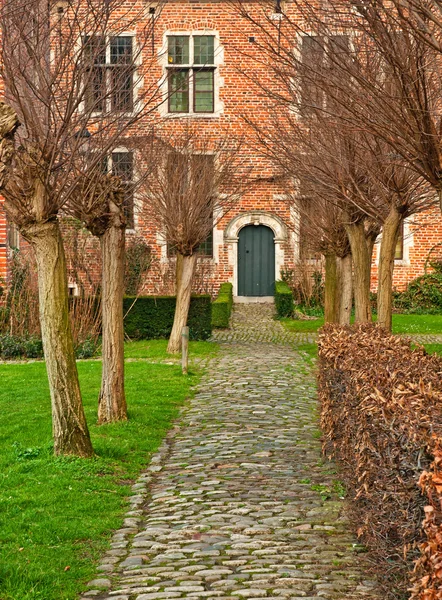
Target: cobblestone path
pixel 255 323
pixel 237 503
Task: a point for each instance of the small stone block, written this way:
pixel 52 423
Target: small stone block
pixel 103 583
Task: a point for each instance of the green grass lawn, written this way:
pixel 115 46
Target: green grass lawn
pixel 57 514
pixel 302 326
pixel 156 349
pixel 402 323
pixel 433 348
pixel 309 352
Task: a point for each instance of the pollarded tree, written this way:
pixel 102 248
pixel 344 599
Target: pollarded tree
pixel 192 186
pixel 320 229
pixel 99 204
pixel 65 77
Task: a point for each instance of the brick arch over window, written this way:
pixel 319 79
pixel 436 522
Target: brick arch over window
pixel 185 25
pixel 231 234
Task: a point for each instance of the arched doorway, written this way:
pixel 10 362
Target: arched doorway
pixel 256 261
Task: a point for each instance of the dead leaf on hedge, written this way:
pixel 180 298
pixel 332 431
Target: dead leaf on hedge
pixel 382 419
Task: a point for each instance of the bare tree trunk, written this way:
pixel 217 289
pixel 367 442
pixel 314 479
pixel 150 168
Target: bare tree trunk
pixel 362 270
pixel 182 302
pixel 332 289
pixel 346 279
pixel 69 427
pixel 390 233
pixel 112 400
pixel 178 271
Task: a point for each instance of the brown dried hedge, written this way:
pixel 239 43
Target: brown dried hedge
pixel 382 421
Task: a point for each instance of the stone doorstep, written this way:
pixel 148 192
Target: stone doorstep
pixel 253 299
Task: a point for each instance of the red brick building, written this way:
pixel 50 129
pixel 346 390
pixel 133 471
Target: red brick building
pixel 209 53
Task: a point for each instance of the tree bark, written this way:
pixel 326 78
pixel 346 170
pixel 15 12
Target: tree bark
pixel 112 400
pixel 69 427
pixel 345 266
pixel 332 289
pixel 360 250
pixel 390 232
pixel 178 271
pixel 182 303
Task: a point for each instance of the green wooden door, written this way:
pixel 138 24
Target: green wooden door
pixel 256 261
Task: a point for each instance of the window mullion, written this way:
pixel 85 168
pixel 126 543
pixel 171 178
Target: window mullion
pixel 107 75
pixel 191 90
pixel 191 80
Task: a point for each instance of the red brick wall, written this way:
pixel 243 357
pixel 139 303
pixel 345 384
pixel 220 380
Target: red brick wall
pixel 241 99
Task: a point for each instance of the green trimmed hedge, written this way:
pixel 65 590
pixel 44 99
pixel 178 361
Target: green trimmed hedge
pixel 151 317
pixel 222 306
pixel 283 299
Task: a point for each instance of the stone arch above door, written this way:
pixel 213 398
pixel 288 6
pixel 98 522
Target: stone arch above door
pixel 256 217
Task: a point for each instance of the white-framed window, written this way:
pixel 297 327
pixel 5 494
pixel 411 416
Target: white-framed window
pixel 191 61
pixel 110 73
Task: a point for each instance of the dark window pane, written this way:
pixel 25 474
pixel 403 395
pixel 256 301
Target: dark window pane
pixel 312 59
pixel 307 250
pixel 121 53
pixel 203 91
pixel 104 165
pixel 177 173
pixel 202 170
pixel 128 206
pixel 206 248
pixel 338 47
pixel 121 50
pixel 123 165
pixel 392 71
pixel 95 92
pixel 178 50
pixel 337 57
pixel 203 50
pixel 95 50
pixel 122 97
pixel 179 91
pixel 95 76
pixel 203 163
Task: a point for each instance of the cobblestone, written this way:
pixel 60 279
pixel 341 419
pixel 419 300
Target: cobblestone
pixel 255 323
pixel 426 338
pixel 244 506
